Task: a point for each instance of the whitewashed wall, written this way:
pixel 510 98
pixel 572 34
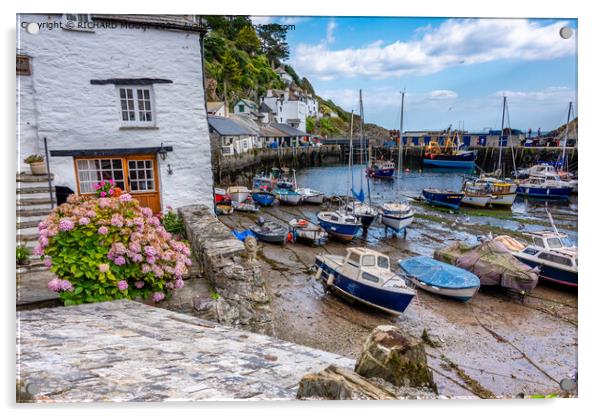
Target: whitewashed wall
pixel 73 114
pixel 27 134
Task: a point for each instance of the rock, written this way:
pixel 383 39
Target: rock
pixel 396 357
pixel 335 383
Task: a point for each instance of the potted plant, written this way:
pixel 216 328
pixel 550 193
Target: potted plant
pixel 36 164
pixel 23 253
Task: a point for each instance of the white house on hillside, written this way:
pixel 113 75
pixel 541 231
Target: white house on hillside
pixel 217 108
pixel 244 106
pixel 288 108
pixel 116 96
pixel 284 76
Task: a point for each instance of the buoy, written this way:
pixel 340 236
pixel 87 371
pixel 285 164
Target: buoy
pixel 289 237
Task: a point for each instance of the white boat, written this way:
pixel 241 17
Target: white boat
pixel 476 195
pixel 365 275
pixel 503 193
pixel 396 216
pixel 307 231
pixel 238 193
pixel 248 206
pixel 287 196
pixel 311 196
pixel 364 212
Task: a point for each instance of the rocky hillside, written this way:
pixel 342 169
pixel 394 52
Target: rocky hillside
pixel 240 62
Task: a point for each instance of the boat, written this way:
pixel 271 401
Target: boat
pixel 492 262
pixel 287 196
pixel 383 169
pixel 443 198
pixel 263 182
pixel 396 216
pixel 476 195
pixel 503 193
pixel 263 197
pixel 441 278
pixel 549 188
pixel 238 193
pixel 450 156
pixel 306 231
pixel 310 196
pixel 247 205
pixel 223 209
pixel 270 231
pixel 339 224
pixel 220 196
pixel 364 212
pixel 364 275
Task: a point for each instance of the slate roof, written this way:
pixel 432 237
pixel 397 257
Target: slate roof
pixel 290 131
pixel 228 127
pixel 249 103
pixel 264 108
pixel 213 106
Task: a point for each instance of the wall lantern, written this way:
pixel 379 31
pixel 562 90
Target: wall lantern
pixel 162 152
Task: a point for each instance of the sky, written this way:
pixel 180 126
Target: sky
pixel 454 71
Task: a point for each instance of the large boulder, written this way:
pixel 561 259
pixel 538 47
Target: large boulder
pixel 395 357
pixel 334 383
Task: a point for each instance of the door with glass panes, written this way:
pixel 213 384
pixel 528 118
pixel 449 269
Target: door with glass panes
pixel 135 174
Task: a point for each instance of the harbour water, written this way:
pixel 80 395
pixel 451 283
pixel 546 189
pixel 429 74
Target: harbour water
pixel 498 344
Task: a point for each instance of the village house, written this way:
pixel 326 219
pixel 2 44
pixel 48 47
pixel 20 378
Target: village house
pixel 244 106
pixel 113 101
pixel 288 108
pixel 217 108
pixel 284 76
pixel 230 136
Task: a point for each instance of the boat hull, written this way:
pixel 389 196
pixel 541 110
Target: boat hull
pixel 476 200
pixel 459 294
pixel 560 193
pixel 264 199
pixel 450 200
pixel 314 199
pixel 505 200
pixel 551 273
pixel 382 299
pixel 386 173
pixel 396 222
pixel 292 199
pixel 344 232
pixel 448 163
pixel 239 196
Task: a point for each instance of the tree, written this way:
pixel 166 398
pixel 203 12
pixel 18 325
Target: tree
pixel 247 40
pixel 273 42
pixel 231 72
pixel 307 87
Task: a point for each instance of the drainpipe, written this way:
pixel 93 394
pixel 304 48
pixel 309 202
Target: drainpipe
pixel 48 172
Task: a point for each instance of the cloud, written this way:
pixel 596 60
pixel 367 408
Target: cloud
pixel 550 94
pixel 261 20
pixel 283 20
pixel 330 31
pixel 455 42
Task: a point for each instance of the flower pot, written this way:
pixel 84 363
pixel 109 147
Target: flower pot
pixel 38 168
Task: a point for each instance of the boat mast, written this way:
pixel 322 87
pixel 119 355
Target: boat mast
pixel 501 144
pixel 400 153
pixel 350 158
pixel 566 137
pixel 365 148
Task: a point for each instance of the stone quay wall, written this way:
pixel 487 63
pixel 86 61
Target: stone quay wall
pixel 243 296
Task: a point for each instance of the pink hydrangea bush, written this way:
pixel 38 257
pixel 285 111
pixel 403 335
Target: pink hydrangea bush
pixel 110 248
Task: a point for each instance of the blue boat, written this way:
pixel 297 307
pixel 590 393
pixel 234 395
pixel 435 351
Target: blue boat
pixel 263 198
pixel 364 275
pixel 441 278
pixel 542 188
pixel 381 169
pixel 339 225
pixel 443 198
pixel 461 159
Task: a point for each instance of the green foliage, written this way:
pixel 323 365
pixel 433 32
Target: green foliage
pixel 33 158
pixel 310 124
pixel 290 71
pixel 215 296
pixel 306 85
pixel 23 254
pixel 247 40
pixel 273 42
pixel 173 223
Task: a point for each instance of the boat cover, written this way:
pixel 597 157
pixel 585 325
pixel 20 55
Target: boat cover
pixel 493 263
pixel 439 274
pixel 243 235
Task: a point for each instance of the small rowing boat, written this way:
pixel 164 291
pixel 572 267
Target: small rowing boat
pixel 311 196
pixel 306 231
pixel 270 231
pixel 263 197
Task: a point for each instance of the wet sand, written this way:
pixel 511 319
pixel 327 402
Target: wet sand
pixel 498 344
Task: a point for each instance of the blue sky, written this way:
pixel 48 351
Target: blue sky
pixel 454 71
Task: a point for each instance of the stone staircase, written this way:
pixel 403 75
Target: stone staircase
pixel 33 205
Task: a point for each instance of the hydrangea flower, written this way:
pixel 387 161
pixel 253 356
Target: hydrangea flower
pixel 120 260
pixel 84 221
pixel 125 198
pixel 104 268
pixel 122 285
pixel 139 284
pixel 102 230
pixel 158 296
pixel 65 225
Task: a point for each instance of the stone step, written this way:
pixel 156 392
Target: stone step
pixel 34 265
pixel 34 190
pixel 28 230
pixel 26 237
pixel 29 220
pixel 43 202
pixel 28 178
pixel 33 212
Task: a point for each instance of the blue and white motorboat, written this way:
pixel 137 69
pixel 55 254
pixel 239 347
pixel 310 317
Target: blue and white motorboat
pixel 553 252
pixel 263 197
pixel 310 196
pixel 443 198
pixel 396 216
pixel 548 188
pixel 440 278
pixel 339 225
pixel 381 169
pixel 287 196
pixel 365 275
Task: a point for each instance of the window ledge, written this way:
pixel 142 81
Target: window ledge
pixel 138 128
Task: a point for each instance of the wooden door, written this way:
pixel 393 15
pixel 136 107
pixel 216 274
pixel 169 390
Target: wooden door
pixel 143 180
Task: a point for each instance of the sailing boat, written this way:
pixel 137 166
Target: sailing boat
pixel 339 224
pixel 364 212
pixel 397 215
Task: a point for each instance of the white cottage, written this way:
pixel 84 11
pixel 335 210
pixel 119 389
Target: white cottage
pixel 116 96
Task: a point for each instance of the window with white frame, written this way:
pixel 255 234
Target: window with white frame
pixel 136 105
pixel 81 22
pixel 92 171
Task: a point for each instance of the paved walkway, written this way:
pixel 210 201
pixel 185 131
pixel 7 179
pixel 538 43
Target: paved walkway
pixel 128 351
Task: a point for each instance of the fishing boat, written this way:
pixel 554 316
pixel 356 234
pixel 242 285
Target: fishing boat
pixel 547 188
pixel 306 231
pixel 238 193
pixel 364 275
pixel 396 216
pixel 364 212
pixel 443 198
pixel 339 224
pixel 270 231
pixel 263 197
pixel 383 169
pixel 440 278
pixel 450 156
pixel 310 196
pixel 287 196
pixel 247 205
pixel 476 195
pixel 503 193
pixel 263 182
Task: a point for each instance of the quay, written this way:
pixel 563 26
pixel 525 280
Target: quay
pixel 128 351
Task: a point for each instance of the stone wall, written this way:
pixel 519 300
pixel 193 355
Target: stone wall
pixel 243 294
